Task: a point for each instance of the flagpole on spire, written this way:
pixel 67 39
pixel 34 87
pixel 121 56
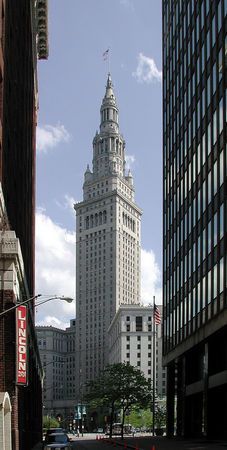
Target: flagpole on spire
pixel 106 57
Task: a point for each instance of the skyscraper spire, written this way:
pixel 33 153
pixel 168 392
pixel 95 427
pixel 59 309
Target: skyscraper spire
pixel 108 144
pixel 109 109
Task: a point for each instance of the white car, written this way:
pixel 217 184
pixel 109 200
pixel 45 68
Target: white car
pixel 57 441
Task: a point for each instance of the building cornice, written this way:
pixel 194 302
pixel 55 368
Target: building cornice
pixel 113 193
pixel 42 28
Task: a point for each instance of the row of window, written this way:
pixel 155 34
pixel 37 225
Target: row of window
pixel 204 243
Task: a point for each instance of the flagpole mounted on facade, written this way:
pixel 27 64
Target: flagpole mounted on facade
pixel 154 368
pixel 156 321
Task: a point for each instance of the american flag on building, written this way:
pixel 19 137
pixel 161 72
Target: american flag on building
pixel 105 54
pixel 157 315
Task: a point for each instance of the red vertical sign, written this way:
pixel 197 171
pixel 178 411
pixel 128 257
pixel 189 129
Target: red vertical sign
pixel 21 345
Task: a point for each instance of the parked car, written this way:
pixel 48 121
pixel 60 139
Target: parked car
pixel 54 430
pixel 57 441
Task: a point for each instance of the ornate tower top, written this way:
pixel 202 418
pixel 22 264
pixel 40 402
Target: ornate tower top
pixel 108 147
pixel 109 109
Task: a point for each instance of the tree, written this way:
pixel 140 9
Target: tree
pixel 120 386
pixel 139 418
pixel 50 422
pixel 160 416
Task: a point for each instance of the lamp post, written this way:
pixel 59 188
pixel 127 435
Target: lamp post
pixel 28 300
pixel 22 333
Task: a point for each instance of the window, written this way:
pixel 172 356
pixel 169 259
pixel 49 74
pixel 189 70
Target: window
pixel 139 323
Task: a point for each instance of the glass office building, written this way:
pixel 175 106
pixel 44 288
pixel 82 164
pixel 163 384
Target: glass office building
pixel 194 218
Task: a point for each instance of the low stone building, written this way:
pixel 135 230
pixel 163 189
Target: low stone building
pixel 57 350
pixel 131 340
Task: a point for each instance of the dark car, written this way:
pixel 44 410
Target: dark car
pixel 57 441
pixel 54 430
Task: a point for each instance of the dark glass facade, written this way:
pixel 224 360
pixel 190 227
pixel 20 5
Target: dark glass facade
pixel 194 218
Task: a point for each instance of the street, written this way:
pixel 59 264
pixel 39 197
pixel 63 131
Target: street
pixel 143 442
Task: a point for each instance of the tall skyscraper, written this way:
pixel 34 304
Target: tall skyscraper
pixel 108 242
pixel 195 242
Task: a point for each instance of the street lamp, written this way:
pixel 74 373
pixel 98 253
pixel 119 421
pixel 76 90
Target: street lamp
pixel 25 302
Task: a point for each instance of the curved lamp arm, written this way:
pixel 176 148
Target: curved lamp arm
pixel 67 299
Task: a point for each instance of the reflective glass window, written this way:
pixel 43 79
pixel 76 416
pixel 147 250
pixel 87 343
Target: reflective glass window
pixel 221 168
pixel 221 275
pixel 214 127
pixel 215 180
pixel 215 230
pixel 221 234
pixel 215 279
pixel 220 116
pixel 213 28
pixel 209 296
pixel 209 238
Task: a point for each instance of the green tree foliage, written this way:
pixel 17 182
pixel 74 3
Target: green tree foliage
pixel 120 386
pixel 160 416
pixel 50 422
pixel 140 418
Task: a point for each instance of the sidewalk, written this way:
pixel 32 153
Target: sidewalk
pixel 163 443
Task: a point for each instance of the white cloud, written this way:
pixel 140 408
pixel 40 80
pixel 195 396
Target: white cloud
pixel 49 136
pixel 147 71
pixel 67 204
pixel 54 322
pixel 55 268
pixel 150 278
pixel 130 159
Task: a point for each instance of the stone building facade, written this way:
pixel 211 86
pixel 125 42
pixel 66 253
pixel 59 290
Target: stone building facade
pixel 57 349
pixel 131 337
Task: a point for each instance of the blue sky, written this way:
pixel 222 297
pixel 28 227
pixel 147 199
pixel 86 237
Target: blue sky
pixel 71 87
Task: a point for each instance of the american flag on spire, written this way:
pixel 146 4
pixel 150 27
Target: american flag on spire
pixel 105 54
pixel 157 315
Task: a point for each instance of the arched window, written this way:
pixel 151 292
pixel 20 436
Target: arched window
pixel 92 220
pixel 104 216
pixel 96 219
pixel 87 223
pixel 100 218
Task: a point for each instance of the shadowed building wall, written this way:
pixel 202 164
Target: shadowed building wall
pixel 194 220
